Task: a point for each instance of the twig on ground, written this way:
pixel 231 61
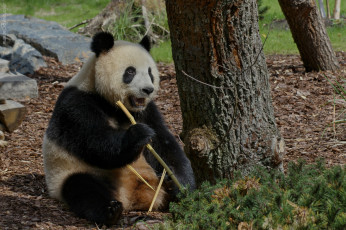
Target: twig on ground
pixel 80 24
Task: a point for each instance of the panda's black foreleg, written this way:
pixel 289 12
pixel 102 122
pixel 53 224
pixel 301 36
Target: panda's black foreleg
pixel 91 198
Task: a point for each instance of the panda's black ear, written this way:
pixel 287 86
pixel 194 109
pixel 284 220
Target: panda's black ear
pixel 145 42
pixel 102 42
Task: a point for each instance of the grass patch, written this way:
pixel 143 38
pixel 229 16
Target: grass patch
pixel 337 36
pixel 278 42
pixel 162 52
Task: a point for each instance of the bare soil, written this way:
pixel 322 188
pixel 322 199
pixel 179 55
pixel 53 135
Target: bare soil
pixel 304 107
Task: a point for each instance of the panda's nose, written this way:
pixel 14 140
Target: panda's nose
pixel 148 90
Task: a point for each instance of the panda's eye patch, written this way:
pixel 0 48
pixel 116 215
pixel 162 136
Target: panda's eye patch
pixel 129 74
pixel 151 75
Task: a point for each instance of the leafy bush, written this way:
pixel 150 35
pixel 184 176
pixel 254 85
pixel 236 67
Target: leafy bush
pixel 308 197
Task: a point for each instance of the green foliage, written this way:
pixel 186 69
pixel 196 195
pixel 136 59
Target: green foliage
pixel 308 197
pixel 261 9
pixel 129 25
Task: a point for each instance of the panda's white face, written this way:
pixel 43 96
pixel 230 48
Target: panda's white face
pixel 127 73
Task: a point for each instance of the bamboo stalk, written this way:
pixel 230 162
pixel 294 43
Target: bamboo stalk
pixel 157 190
pixel 165 166
pixel 139 176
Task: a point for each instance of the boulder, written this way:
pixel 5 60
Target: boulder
pixel 7 40
pixel 49 38
pixel 25 59
pixel 17 86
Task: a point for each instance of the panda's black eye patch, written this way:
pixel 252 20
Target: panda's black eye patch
pixel 129 74
pixel 151 75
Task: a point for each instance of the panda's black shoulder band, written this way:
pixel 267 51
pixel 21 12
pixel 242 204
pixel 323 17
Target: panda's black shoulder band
pixel 102 42
pixel 145 43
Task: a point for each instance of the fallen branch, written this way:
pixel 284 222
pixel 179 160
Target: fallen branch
pixel 80 24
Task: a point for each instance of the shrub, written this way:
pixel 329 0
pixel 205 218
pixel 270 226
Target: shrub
pixel 308 197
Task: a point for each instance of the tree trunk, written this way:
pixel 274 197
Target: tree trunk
pixel 337 9
pixel 309 34
pixel 232 127
pixel 322 10
pixel 328 9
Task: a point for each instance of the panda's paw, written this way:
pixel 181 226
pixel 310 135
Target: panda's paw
pixel 115 210
pixel 140 134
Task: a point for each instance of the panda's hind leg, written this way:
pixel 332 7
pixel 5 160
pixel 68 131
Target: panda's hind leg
pixel 91 198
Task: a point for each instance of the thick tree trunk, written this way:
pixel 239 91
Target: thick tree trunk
pixel 232 127
pixel 309 34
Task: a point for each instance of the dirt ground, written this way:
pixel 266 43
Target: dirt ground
pixel 304 108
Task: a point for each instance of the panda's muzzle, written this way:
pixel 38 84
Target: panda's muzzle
pixel 137 102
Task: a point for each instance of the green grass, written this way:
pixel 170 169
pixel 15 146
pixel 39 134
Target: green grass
pixel 162 52
pixel 66 12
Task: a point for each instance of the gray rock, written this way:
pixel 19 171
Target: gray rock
pixel 4 66
pixel 25 59
pixel 17 86
pixel 6 53
pixel 7 40
pixel 49 38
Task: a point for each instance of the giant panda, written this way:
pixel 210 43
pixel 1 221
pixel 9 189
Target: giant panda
pixel 89 140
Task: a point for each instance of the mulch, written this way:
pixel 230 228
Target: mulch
pixel 304 107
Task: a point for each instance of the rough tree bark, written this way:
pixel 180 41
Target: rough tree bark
pixel 232 127
pixel 309 34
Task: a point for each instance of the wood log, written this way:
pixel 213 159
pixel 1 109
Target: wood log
pixel 3 143
pixel 11 114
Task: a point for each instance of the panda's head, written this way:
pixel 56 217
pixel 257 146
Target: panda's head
pixel 125 71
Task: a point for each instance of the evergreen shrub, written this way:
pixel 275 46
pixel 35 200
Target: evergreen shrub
pixel 307 197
